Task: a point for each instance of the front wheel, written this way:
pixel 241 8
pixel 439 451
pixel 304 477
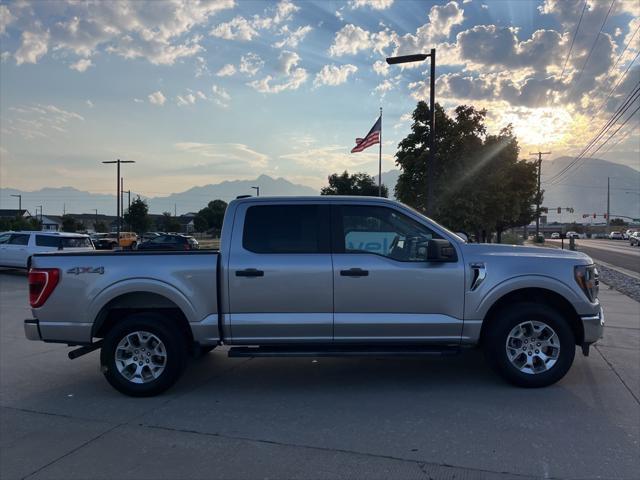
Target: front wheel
pixel 143 355
pixel 529 345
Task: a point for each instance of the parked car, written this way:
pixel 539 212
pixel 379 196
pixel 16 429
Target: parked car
pixel 555 235
pixel 616 236
pixel 149 236
pixel 319 276
pixel 17 248
pixel 634 239
pixel 109 241
pixel 572 234
pixel 170 242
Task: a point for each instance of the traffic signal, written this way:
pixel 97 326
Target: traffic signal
pixel 585 215
pixel 605 216
pixel 594 215
pixel 559 210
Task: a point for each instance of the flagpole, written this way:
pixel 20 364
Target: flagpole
pixel 380 159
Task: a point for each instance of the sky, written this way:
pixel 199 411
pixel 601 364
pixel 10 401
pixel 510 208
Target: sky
pixel 198 92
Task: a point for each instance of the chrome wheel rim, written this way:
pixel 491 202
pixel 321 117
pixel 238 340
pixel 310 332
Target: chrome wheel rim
pixel 141 357
pixel 533 347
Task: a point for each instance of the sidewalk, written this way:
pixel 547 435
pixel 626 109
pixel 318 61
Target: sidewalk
pixel 620 346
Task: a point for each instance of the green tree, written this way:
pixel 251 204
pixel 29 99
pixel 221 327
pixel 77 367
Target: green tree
pixel 480 186
pixel 70 224
pixel 211 216
pixel 356 184
pixel 20 223
pixel 137 216
pixel 618 222
pixel 168 223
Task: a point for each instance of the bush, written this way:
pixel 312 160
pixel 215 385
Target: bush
pixel 539 239
pixel 511 239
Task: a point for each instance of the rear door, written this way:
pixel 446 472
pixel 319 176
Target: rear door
pixel 280 283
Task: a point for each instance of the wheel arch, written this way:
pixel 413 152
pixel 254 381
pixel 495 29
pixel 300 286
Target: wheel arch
pixel 126 304
pixel 540 296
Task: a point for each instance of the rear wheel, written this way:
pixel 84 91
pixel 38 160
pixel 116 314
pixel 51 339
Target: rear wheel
pixel 143 355
pixel 529 345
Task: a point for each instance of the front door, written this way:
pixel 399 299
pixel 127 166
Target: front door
pixel 16 250
pixel 280 282
pixel 384 288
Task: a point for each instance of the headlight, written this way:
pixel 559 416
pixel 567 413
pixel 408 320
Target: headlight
pixel 587 277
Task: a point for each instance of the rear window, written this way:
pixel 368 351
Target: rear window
pixel 286 229
pixel 76 242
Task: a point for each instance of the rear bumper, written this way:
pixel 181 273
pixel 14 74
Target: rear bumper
pixel 32 329
pixel 593 327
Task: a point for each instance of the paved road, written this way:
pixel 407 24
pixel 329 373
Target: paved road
pixel 615 252
pixel 332 418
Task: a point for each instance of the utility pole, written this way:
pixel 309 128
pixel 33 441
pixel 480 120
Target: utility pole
pixel 19 196
pixel 431 167
pixel 175 209
pixel 539 154
pixel 608 201
pixel 95 223
pixel 118 162
pixel 40 207
pixel 380 158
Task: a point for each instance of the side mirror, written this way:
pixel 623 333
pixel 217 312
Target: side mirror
pixel 463 236
pixel 439 250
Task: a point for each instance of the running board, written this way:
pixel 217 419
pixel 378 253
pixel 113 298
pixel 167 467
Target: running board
pixel 341 351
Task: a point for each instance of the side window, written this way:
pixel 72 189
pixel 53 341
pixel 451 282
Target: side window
pixel 382 231
pixel 5 238
pixel 47 241
pixel 286 229
pixel 19 239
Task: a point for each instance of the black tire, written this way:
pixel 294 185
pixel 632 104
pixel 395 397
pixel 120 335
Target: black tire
pixel 175 347
pixel 495 343
pixel 134 246
pixel 28 264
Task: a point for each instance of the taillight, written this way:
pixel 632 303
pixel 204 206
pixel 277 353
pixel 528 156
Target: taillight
pixel 187 246
pixel 42 282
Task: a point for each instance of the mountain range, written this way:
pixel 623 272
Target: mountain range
pixel 583 188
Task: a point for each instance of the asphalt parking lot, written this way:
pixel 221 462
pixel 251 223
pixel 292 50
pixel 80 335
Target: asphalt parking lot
pixel 330 418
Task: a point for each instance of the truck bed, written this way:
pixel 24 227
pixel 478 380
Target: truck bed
pixel 93 282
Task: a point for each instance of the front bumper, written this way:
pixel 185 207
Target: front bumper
pixel 32 329
pixel 593 326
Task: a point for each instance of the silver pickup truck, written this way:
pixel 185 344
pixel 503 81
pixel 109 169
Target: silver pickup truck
pixel 319 276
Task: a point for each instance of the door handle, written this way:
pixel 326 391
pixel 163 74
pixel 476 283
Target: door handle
pixel 354 272
pixel 249 272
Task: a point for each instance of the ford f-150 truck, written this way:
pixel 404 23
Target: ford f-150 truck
pixel 319 276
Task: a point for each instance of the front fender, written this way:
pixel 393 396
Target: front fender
pixel 480 305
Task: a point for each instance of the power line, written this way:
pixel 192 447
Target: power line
pixel 616 131
pixel 603 130
pixel 594 43
pixel 617 83
pixel 623 137
pixel 575 34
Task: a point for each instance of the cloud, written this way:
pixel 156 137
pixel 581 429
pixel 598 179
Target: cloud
pixel 39 121
pixel 226 71
pixel 251 64
pixel 239 28
pixel 332 158
pixel 201 67
pixel 89 104
pixel 381 67
pixel 292 38
pixel 34 45
pixel 6 18
pixel 334 75
pixel 157 98
pixel 291 76
pixel 159 32
pixel 374 4
pixel 191 97
pixel 81 65
pixel 236 157
pixel 245 29
pixel 349 40
pixel 220 96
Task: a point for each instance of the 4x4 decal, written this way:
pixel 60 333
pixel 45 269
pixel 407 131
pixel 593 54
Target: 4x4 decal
pixel 79 270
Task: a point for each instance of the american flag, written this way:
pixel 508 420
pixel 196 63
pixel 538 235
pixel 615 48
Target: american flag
pixel 372 137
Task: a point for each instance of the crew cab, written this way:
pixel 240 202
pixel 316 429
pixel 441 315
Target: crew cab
pixel 319 276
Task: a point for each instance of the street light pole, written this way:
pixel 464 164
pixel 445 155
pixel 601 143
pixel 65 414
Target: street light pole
pixel 257 189
pixel 118 162
pixel 19 202
pixel 430 203
pixel 40 207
